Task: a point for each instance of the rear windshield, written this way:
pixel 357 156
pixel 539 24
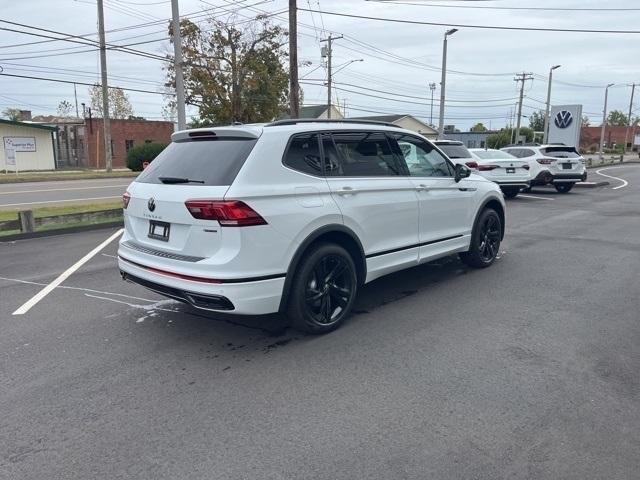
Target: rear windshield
pixel 560 152
pixel 455 151
pixel 493 155
pixel 205 162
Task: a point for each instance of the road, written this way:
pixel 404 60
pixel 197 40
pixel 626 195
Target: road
pixel 20 196
pixel 528 369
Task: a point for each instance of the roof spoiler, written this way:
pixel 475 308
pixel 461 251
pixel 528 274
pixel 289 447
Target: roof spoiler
pixel 211 133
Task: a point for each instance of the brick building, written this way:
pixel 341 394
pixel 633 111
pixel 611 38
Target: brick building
pixel 125 134
pixel 590 137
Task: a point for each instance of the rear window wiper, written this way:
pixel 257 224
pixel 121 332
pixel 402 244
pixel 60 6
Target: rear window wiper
pixel 178 180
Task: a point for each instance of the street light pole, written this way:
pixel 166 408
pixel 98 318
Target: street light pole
pixel 545 137
pixel 443 80
pixel 626 133
pixel 432 86
pixel 329 41
pixel 604 120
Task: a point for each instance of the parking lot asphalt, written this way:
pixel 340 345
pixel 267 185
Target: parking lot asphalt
pixel 21 196
pixel 528 369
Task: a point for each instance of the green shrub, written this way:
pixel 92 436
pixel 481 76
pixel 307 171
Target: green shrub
pixel 143 153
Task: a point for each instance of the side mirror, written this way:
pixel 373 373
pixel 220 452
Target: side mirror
pixel 461 171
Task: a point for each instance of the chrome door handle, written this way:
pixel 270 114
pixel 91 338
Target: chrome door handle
pixel 422 187
pixel 345 191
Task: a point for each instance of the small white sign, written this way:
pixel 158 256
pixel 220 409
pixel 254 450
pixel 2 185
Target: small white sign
pixel 9 156
pixel 636 141
pixel 20 144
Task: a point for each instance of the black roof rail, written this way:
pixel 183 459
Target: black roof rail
pixel 295 121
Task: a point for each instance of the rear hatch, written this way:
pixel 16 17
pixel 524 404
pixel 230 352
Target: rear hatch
pixel 193 167
pixel 567 159
pixel 496 163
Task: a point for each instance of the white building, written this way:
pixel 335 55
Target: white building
pixel 408 122
pixel 31 145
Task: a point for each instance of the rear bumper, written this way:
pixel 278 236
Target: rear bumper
pixel 241 298
pixel 546 177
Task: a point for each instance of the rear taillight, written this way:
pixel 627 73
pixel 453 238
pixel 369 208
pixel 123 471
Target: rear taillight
pixel 525 166
pixel 484 168
pixel 125 199
pixel 472 164
pixel 231 213
pixel 544 161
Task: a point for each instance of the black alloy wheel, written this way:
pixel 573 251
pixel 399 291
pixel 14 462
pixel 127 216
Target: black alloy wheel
pixel 324 289
pixel 490 238
pixel 485 240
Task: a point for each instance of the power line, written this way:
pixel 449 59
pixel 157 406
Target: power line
pixel 57 80
pixel 484 27
pixel 556 9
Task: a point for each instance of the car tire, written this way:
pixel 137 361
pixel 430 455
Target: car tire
pixel 564 187
pixel 323 290
pixel 485 240
pixel 510 192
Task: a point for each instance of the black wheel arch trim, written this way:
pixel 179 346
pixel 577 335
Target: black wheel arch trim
pixel 501 214
pixel 361 263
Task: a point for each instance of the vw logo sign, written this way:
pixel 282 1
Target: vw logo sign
pixel 563 119
pixel 151 204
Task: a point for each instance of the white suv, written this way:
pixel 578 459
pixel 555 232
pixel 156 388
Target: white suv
pixel 294 216
pixel 556 164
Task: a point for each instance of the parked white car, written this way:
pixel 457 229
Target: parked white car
pixel 556 164
pixel 510 173
pixel 294 216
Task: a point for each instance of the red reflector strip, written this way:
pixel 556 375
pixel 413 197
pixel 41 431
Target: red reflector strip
pixel 171 274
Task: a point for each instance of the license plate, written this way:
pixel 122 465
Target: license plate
pixel 567 166
pixel 159 230
pixel 511 170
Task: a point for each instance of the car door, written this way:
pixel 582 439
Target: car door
pixel 446 207
pixel 377 200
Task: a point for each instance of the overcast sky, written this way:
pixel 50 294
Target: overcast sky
pixel 400 59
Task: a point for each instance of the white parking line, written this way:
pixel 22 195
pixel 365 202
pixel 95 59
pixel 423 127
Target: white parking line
pixel 624 182
pixel 59 189
pixel 57 201
pixel 64 275
pixel 533 196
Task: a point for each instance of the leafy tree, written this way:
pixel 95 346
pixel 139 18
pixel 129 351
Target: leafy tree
pixel 11 114
pixel 143 153
pixel 536 121
pixel 119 105
pixel 234 74
pixel 478 127
pixel 617 118
pixel 64 109
pixel 504 137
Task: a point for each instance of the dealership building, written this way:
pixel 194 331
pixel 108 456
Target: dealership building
pixel 26 146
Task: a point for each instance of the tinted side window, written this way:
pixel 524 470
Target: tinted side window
pixel 422 159
pixel 303 154
pixel 364 155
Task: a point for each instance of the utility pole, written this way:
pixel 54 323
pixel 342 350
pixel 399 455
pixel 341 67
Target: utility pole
pixel 604 120
pixel 432 87
pixel 177 65
pixel 443 80
pixel 75 95
pixel 626 134
pixel 545 136
pixel 294 88
pixel 521 77
pixel 329 52
pixel 105 89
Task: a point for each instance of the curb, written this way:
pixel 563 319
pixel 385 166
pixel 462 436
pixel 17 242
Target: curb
pixel 591 184
pixel 613 164
pixel 60 231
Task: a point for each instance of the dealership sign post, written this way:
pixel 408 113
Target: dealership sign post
pixel 10 159
pixel 565 123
